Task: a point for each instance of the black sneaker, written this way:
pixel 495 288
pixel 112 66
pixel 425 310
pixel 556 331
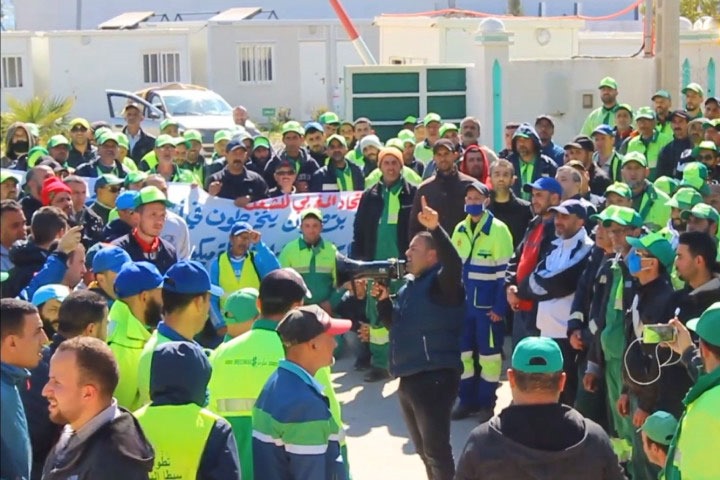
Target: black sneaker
pixel 460 412
pixel 377 375
pixel 362 365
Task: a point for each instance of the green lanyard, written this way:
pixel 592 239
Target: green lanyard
pixel 344 178
pixel 608 112
pixel 526 173
pixel 391 208
pixel 100 173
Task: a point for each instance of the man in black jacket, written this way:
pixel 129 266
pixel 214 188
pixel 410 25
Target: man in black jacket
pixel 111 445
pixel 677 151
pixel 31 200
pixel 144 242
pixel 339 174
pixel 696 265
pixel 235 181
pixel 425 322
pixel 536 436
pixel 530 164
pixel 82 313
pixel 106 160
pixel 509 209
pixel 140 142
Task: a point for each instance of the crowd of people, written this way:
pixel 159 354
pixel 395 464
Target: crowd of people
pixel 123 358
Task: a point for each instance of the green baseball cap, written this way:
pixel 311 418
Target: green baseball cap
pixel 135 177
pixel 293 126
pixel 666 185
pixel 241 306
pixel 6 175
pixel 661 94
pixel 619 188
pixel 100 132
pixel 395 142
pixel 315 212
pixel 151 194
pixel 635 157
pixel 4 276
pixel 447 127
pixel 181 141
pixel 431 117
pixel 608 82
pixel 163 140
pixel 646 113
pixel 701 210
pixel 35 153
pixel 625 216
pixel 685 198
pixel 329 118
pixel 705 145
pixel 107 179
pixel 658 246
pixel 410 119
pixel 695 175
pixel 626 107
pixel 337 137
pixel 193 136
pixel 168 122
pixel 537 355
pixel 57 140
pixel 261 142
pixel 123 140
pixel 660 427
pixel 107 137
pixel 606 214
pixel 407 136
pixel 711 123
pixel 707 325
pixel 693 87
pixel 221 135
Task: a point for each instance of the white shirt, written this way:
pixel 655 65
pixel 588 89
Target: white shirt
pixel 176 232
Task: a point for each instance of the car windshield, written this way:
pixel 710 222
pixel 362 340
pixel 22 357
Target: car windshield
pixel 195 103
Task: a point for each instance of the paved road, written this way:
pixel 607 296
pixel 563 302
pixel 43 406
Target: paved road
pixel 378 442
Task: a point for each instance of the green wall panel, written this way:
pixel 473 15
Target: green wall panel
pixel 386 108
pixel 446 80
pixel 401 82
pixel 452 106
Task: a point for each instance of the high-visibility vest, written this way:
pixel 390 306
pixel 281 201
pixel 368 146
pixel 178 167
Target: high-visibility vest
pixel 178 433
pixel 229 282
pixel 321 278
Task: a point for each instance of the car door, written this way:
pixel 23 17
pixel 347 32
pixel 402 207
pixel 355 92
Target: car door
pixel 117 99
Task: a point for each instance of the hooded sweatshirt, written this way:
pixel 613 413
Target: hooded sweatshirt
pixel 11 156
pixel 220 456
pixel 538 442
pixel 114 448
pixel 28 259
pixel 484 178
pixel 543 166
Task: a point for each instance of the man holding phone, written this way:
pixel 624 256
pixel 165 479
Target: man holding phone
pixel 644 390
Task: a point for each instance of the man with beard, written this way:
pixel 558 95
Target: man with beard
pixel 339 174
pixel 315 141
pixel 370 146
pixel 529 163
pixel 512 211
pixel 8 186
pixel 81 150
pixel 135 312
pixel 79 191
pixel 649 141
pixel 712 108
pixel 235 182
pixel 34 180
pixel 702 218
pixel 58 194
pixel 475 164
pixel 545 127
pixel 708 154
pixel 684 199
pixel 662 103
pixel 13 229
pixel 605 114
pixel 582 149
pixel 424 150
pixel 674 153
pixel 194 160
pixel 293 137
pixel 694 94
pixel 470 135
pixel 510 129
pixel 107 160
pixel 59 148
pixel 647 201
pixel 696 131
pixel 260 155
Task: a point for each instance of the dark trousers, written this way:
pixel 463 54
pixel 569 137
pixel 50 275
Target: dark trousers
pixel 571 371
pixel 426 399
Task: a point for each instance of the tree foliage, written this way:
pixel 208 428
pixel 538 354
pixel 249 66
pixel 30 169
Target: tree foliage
pixel 694 9
pixel 515 8
pixel 48 113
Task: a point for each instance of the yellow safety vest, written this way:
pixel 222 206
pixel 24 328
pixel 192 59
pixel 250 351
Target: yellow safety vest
pixel 178 433
pixel 229 282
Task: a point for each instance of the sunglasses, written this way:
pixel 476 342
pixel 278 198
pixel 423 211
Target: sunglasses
pixel 709 158
pixel 114 189
pixel 284 173
pixel 78 129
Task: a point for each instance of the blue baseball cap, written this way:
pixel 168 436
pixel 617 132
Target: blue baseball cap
pixel 54 291
pixel 313 126
pixel 137 277
pixel 604 130
pixel 190 277
pixel 236 142
pixel 544 183
pixel 240 227
pixel 110 258
pixel 126 200
pixel 571 207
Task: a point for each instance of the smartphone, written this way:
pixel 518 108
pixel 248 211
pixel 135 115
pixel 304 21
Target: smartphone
pixel 658 333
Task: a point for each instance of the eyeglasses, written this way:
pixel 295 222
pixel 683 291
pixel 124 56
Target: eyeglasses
pixel 284 173
pixel 78 129
pixel 114 189
pixel 709 157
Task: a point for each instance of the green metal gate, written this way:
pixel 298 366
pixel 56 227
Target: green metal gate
pixel 387 94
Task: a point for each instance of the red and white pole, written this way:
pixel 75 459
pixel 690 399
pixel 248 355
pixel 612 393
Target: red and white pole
pixel 357 41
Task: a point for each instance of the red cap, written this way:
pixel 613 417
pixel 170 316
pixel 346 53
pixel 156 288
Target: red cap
pixel 51 186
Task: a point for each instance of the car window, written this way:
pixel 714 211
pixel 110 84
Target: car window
pixel 196 103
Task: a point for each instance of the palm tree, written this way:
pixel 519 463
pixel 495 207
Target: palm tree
pixel 48 113
pixel 515 8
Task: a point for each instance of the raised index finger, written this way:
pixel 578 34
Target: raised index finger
pixel 423 202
